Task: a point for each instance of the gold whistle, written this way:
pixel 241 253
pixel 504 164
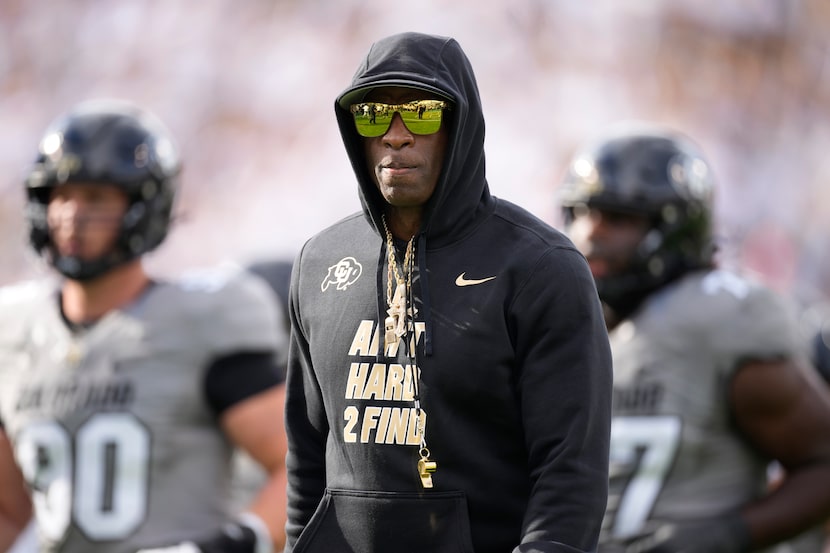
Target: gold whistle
pixel 425 470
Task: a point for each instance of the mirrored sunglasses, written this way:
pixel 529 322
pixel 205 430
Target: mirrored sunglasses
pixel 373 119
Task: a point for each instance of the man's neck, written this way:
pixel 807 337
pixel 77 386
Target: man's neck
pixel 404 223
pixel 87 301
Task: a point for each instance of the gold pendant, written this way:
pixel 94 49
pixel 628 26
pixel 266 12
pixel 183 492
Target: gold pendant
pixel 389 328
pixel 393 326
pixel 399 309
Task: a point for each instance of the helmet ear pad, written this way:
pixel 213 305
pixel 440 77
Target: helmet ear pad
pixel 658 174
pixel 110 143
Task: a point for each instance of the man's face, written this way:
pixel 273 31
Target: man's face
pixel 607 239
pixel 84 219
pixel 405 166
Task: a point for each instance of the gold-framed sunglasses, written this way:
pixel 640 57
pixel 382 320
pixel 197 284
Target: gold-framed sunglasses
pixel 372 119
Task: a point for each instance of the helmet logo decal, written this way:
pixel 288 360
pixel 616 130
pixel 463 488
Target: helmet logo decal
pixel 689 176
pixel 66 166
pixel 344 273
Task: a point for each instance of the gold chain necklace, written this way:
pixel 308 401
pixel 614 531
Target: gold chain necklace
pixel 395 327
pixel 395 323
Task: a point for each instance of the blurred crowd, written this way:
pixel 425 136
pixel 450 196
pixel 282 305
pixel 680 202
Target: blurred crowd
pixel 248 90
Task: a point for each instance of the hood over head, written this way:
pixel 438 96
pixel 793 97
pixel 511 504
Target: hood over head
pixel 438 65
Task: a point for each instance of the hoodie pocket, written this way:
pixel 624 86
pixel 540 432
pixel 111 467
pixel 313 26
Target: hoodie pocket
pixel 349 521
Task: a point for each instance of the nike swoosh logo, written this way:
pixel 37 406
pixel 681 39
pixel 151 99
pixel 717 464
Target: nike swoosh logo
pixel 461 281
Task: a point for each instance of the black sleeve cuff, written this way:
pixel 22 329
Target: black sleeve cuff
pixel 238 376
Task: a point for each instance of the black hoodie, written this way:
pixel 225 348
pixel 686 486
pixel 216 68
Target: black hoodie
pixel 515 370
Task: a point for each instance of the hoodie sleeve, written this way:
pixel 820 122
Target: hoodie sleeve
pixel 305 425
pixel 565 388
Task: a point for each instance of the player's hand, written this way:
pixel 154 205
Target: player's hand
pixel 239 536
pixel 184 547
pixel 728 534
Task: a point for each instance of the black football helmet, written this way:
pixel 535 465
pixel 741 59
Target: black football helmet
pixel 107 142
pixel 658 174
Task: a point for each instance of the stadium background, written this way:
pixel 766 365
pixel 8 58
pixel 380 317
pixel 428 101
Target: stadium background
pixel 247 87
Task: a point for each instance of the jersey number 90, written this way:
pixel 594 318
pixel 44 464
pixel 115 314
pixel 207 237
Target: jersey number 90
pixel 96 479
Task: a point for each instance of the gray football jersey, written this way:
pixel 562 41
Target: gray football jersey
pixel 110 425
pixel 675 454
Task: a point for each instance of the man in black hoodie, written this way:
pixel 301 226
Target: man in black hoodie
pixel 449 375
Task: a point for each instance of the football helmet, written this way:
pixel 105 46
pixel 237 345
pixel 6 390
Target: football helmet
pixel 656 173
pixel 107 142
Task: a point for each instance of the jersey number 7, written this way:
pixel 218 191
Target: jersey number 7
pixel 642 452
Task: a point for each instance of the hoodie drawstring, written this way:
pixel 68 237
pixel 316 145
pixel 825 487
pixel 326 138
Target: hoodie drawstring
pixel 381 298
pixel 427 305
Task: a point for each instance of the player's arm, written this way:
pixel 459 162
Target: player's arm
pixel 564 361
pixel 784 410
pixel 246 391
pixel 256 426
pixel 15 503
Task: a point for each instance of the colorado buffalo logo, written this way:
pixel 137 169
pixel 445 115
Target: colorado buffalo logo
pixel 343 274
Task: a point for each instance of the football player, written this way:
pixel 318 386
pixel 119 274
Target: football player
pixel 710 383
pixel 121 395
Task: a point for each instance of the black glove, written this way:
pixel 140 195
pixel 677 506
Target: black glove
pixel 727 534
pixel 235 537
